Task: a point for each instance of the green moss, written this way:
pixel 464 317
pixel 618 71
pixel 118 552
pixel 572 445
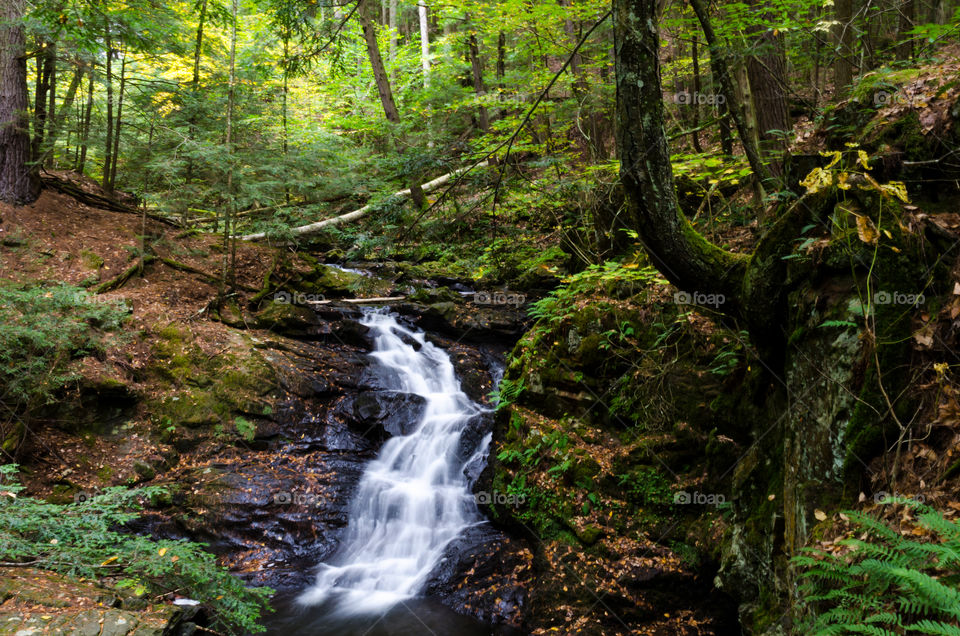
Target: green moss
pixel 91 260
pixel 205 390
pixel 105 474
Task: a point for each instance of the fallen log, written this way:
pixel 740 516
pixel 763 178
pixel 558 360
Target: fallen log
pixel 313 228
pixel 358 301
pixel 97 201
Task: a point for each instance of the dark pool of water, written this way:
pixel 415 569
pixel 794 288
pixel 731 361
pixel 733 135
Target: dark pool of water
pixel 413 617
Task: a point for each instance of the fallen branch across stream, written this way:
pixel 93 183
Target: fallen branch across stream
pixel 358 301
pixel 313 228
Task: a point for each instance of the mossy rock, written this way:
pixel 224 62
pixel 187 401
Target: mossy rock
pixel 91 260
pixel 333 282
pixel 284 317
pixel 432 295
pixel 192 409
pixel 589 534
pixel 12 436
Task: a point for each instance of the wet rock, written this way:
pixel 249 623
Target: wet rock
pixel 384 414
pixel 478 575
pixel 468 322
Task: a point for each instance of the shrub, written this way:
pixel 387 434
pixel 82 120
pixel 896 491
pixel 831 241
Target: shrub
pixel 42 329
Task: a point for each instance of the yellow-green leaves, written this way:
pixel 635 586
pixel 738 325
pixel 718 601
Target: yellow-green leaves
pixel 817 180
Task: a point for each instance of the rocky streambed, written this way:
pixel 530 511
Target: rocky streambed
pixel 276 505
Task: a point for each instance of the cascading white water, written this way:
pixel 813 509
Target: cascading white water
pixel 414 498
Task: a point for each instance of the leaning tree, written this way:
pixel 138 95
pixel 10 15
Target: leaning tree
pixel 751 284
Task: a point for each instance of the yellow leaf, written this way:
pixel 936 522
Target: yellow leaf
pixel 866 230
pixel 863 158
pixel 162 551
pixel 842 181
pixel 820 515
pixel 109 561
pixel 896 189
pixel 873 183
pixel 831 153
pixel 817 180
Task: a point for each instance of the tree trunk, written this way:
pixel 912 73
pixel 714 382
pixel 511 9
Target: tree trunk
pixel 57 121
pixel 424 43
pixel 380 76
pixel 766 71
pixel 18 184
pixel 908 10
pixel 226 269
pixel 382 81
pixel 501 58
pixel 108 149
pixel 843 67
pixel 719 62
pixel 394 10
pixel 677 250
pixel 115 153
pixel 478 86
pixel 84 132
pixel 195 88
pixel 46 63
pixel 697 88
pixel 52 89
pixel 749 287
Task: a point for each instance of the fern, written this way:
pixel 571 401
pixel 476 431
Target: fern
pixel 886 584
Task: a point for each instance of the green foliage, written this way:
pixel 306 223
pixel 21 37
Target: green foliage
pixel 646 486
pixel 612 277
pixel 42 331
pixel 245 428
pixel 884 581
pixel 86 539
pixel 507 392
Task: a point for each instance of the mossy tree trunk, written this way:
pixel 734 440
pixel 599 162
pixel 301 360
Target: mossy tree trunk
pixel 686 258
pixel 749 287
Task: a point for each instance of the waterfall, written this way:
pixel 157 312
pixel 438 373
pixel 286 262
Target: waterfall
pixel 414 498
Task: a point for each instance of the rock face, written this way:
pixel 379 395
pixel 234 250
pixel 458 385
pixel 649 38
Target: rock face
pixel 38 602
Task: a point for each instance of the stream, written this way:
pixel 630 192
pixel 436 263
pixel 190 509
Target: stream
pixel 412 501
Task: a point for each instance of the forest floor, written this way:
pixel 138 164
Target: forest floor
pixel 60 240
